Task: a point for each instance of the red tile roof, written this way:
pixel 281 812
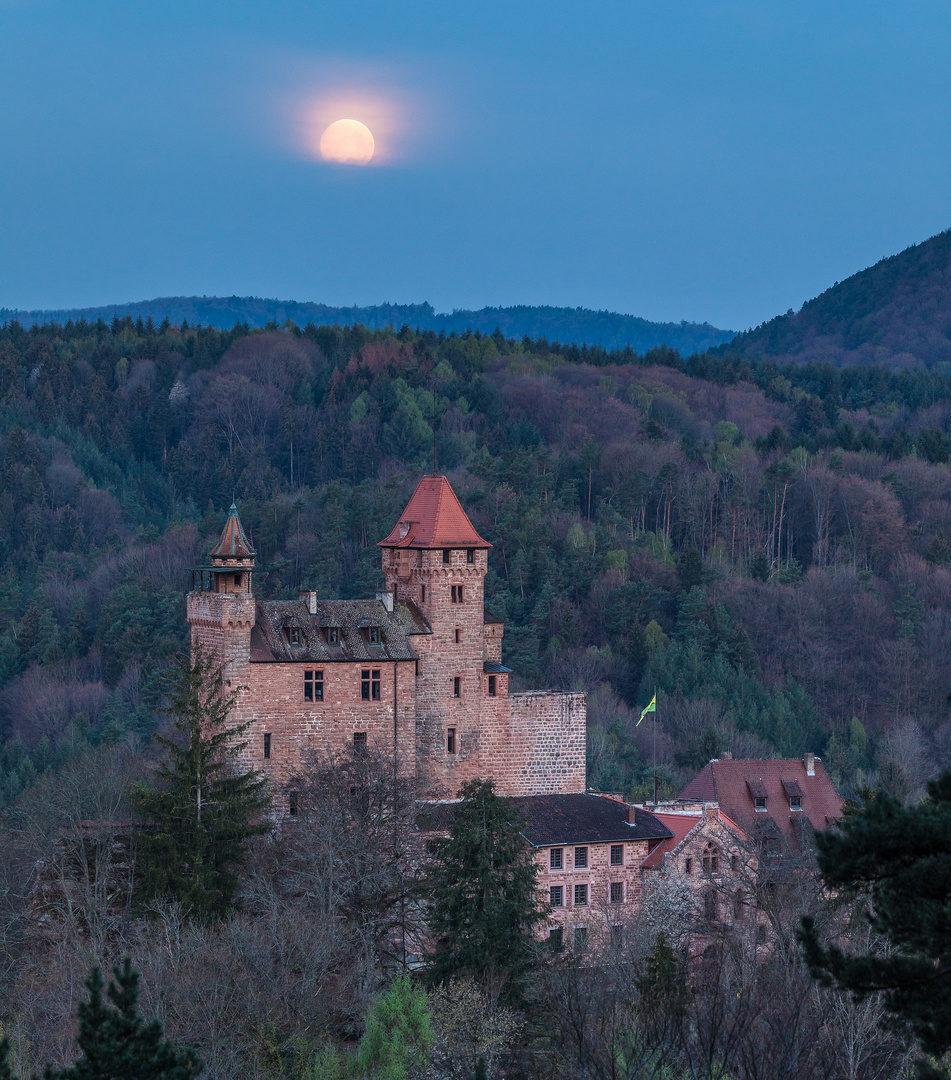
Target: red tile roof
pixel 679 825
pixel 233 543
pixel 730 783
pixel 434 518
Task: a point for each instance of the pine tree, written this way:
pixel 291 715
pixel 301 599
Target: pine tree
pixel 483 892
pixel 204 809
pixel 117 1043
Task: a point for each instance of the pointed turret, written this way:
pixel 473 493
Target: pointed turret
pixel 233 543
pixel 434 518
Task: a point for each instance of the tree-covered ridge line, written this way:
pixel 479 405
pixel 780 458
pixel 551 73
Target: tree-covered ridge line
pixel 766 545
pixel 578 325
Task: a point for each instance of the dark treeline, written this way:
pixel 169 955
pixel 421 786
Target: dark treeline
pixel 766 546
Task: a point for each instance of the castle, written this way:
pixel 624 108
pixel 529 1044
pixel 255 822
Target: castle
pixel 415 672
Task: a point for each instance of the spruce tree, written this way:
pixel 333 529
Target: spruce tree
pixel 483 893
pixel 196 820
pixel 116 1043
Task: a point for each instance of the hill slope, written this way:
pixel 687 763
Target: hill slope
pixel 897 312
pixel 578 325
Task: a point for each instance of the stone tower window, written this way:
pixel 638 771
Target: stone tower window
pixel 492 685
pixel 450 740
pixel 267 744
pixel 458 635
pixel 422 594
pixel 292 803
pixel 456 594
pixel 446 555
pixel 237 580
pixel 457 687
pixel 470 555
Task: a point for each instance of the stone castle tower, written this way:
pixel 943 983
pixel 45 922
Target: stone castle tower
pixel 416 671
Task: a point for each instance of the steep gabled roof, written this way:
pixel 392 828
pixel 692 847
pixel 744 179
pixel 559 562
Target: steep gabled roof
pixel 233 543
pixel 434 518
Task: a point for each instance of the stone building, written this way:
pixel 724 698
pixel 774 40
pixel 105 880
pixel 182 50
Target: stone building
pixel 416 672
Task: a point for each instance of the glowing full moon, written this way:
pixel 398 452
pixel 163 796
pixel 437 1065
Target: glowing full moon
pixel 347 142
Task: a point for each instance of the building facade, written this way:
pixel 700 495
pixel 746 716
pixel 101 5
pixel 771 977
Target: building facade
pixel 415 672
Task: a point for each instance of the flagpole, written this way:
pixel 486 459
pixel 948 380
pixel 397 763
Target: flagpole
pixel 655 747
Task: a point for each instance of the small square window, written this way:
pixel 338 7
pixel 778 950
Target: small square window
pixel 617 892
pixel 360 740
pixel 457 687
pixel 556 896
pixel 581 858
pixel 492 685
pixel 617 854
pixel 581 896
pixel 446 555
pixel 581 937
pixel 554 858
pixel 759 804
pixel 470 555
pixel 555 937
pixel 267 744
pixel 795 802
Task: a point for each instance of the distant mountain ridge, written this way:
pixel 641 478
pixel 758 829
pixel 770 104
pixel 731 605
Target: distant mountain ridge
pixel 897 313
pixel 580 325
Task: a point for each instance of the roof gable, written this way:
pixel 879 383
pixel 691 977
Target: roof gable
pixel 434 518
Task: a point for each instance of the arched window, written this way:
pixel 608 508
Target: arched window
pixel 711 859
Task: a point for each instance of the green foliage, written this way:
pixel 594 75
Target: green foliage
pixel 398 1035
pixel 483 893
pixel 116 1042
pixel 895 861
pixel 195 822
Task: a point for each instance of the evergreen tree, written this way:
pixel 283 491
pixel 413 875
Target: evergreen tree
pixel 117 1044
pixel 896 862
pixel 398 1035
pixel 204 809
pixel 6 1073
pixel 483 892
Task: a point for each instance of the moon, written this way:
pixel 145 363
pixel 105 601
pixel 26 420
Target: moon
pixel 348 142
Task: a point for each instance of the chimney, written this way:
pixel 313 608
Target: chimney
pixel 809 760
pixel 631 815
pixel 310 599
pixel 386 599
pixel 727 755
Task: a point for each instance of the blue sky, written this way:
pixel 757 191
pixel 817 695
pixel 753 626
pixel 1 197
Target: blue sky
pixel 695 160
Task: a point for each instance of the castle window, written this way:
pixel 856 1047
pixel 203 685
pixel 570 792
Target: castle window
pixel 795 802
pixel 267 744
pixel 313 686
pixel 617 892
pixel 456 594
pixel 581 896
pixel 555 937
pixel 711 859
pixel 458 635
pixel 688 866
pixel 759 805
pixel 370 686
pixel 237 580
pixel 492 685
pixel 446 553
pixel 554 858
pixel 617 854
pixel 293 635
pixel 581 858
pixel 292 803
pixel 451 740
pixel 556 896
pixel 422 594
pixel 333 635
pixel 373 635
pixel 581 937
pixel 457 687
pixel 359 740
pixel 470 555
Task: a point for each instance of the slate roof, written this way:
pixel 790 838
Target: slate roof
pixel 270 641
pixel 434 518
pixel 233 543
pixel 731 783
pixel 584 819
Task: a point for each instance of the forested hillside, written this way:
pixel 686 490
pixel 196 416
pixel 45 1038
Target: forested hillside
pixel 580 326
pixel 767 547
pixel 897 312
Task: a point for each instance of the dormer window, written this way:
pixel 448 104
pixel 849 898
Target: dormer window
pixel 333 635
pixel 759 804
pixel 757 791
pixel 293 636
pixel 373 635
pixel 795 802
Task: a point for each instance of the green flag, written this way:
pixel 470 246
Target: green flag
pixel 650 708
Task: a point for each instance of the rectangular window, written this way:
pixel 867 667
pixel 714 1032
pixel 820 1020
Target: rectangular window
pixel 555 937
pixel 711 864
pixel 267 744
pixel 294 634
pixel 617 892
pixel 446 553
pixel 373 635
pixel 359 739
pixel 292 803
pixel 458 635
pixel 451 740
pixel 759 805
pixel 617 854
pixel 313 686
pixel 456 686
pixel 492 685
pixel 470 555
pixel 795 802
pixel 422 594
pixel 456 594
pixel 581 896
pixel 688 866
pixel 237 580
pixel 581 937
pixel 556 896
pixel 554 858
pixel 581 858
pixel 370 685
pixel 333 635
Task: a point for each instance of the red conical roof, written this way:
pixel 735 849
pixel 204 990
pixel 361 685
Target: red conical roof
pixel 233 543
pixel 434 518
